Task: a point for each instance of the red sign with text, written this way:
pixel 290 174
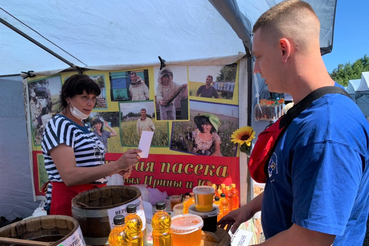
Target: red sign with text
pixel 175 174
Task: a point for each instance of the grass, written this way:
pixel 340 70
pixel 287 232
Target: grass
pixel 114 143
pixel 130 137
pixel 42 174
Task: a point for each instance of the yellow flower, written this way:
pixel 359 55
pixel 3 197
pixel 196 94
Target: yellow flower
pixel 243 137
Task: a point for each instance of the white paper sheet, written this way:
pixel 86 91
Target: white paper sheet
pixel 145 143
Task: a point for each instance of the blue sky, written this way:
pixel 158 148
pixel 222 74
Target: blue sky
pixel 351 33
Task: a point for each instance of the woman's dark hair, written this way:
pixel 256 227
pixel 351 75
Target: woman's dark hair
pixel 97 120
pixel 202 120
pixel 75 85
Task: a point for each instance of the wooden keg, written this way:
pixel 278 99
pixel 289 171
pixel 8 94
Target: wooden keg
pixel 219 238
pixel 90 208
pixel 41 231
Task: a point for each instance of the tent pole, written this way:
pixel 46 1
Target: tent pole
pixel 36 42
pixel 250 191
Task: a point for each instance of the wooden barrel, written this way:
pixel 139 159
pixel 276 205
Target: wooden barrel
pixel 218 238
pixel 93 210
pixel 54 229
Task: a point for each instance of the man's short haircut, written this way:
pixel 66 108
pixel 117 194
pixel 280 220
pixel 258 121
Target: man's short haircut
pixel 288 15
pixel 211 77
pixel 143 109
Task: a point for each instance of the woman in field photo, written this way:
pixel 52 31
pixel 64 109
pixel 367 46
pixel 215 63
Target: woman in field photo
pixel 205 137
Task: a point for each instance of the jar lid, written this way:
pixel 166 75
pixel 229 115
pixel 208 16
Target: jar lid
pixel 214 212
pixel 203 189
pixel 186 223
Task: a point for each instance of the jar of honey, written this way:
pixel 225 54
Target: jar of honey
pixel 204 198
pixel 186 230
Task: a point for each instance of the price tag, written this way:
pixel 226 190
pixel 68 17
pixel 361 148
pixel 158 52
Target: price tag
pixel 241 237
pixel 122 210
pixel 76 239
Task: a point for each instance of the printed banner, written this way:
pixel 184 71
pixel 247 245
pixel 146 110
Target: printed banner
pixel 192 110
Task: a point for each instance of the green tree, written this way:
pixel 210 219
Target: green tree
pixel 99 79
pixel 227 73
pixel 343 73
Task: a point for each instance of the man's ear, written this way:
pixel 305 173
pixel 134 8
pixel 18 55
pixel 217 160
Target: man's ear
pixel 285 47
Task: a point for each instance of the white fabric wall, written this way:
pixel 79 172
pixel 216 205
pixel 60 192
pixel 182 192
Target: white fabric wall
pixel 16 192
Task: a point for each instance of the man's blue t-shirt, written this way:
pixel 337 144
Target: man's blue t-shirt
pixel 319 173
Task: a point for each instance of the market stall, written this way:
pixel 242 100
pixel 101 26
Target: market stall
pixel 102 44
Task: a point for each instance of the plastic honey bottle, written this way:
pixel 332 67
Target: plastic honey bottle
pixel 223 188
pixel 185 207
pixel 134 226
pixel 235 198
pixel 190 201
pixel 229 197
pixel 161 221
pixel 118 236
pixel 224 206
pixel 219 191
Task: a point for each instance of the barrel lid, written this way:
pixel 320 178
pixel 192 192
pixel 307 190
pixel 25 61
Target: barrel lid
pixel 214 212
pixel 186 223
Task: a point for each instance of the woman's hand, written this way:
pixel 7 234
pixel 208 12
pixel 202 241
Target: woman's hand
pixel 129 159
pixel 112 132
pixel 126 173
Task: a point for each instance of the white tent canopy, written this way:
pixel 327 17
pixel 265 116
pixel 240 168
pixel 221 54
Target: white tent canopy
pixel 361 95
pixel 363 88
pixel 358 89
pixel 352 86
pixel 95 33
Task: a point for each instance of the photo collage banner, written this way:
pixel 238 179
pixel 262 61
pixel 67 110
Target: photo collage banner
pixel 192 110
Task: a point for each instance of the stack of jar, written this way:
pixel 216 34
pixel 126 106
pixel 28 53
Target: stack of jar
pixel 186 228
pixel 224 197
pixel 227 199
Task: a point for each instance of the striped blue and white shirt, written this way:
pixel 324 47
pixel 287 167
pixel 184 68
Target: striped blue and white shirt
pixel 89 150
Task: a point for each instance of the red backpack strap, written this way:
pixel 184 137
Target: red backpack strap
pixel 263 149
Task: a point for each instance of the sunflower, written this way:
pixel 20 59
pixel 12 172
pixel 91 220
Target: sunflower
pixel 243 137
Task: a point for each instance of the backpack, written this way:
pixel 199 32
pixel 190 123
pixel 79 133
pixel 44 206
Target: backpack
pixel 268 139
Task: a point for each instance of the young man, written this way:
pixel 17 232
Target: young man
pixel 207 90
pixel 317 187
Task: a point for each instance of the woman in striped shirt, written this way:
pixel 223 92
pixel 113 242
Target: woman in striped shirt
pixel 73 155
